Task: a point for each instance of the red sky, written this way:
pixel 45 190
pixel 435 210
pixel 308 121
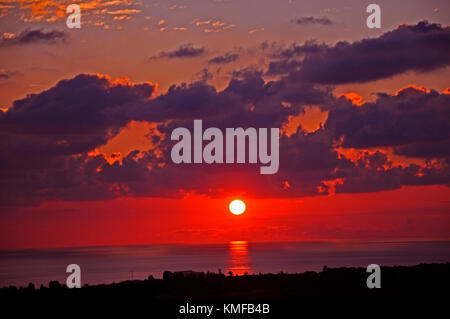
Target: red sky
pixel 381 216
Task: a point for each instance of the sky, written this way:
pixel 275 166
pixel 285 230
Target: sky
pixel 86 117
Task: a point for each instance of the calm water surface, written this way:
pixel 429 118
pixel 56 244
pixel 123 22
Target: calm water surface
pixel 114 264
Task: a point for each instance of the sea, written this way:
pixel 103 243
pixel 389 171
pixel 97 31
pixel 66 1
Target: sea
pixel 119 263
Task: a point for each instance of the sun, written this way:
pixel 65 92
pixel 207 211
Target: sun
pixel 237 207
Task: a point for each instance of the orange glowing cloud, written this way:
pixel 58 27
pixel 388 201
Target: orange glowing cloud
pixel 355 98
pixel 255 30
pixel 54 10
pixel 330 186
pixel 310 121
pixel 198 22
pixel 180 28
pixel 355 155
pixel 415 87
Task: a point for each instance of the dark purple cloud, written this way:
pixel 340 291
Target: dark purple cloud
pixel 34 36
pixel 312 20
pixel 413 121
pixel 421 47
pixel 185 101
pixel 298 50
pixel 75 116
pixel 46 137
pixel 183 51
pixel 7 74
pixel 224 59
pixel 374 172
pixel 282 67
pixel 429 149
pixel 57 128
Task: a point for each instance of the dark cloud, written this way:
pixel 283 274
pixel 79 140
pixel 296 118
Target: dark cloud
pixel 57 130
pixel 413 121
pixel 6 74
pixel 312 20
pixel 204 75
pixel 282 67
pixel 286 60
pixel 185 101
pixel 75 116
pixel 33 36
pixel 421 47
pixel 183 51
pixel 46 138
pixel 224 59
pixel 374 172
pixel 429 149
pixel 58 127
pixel 310 47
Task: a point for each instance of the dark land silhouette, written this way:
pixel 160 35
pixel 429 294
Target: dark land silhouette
pixel 404 286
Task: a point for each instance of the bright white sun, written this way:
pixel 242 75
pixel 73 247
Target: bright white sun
pixel 237 207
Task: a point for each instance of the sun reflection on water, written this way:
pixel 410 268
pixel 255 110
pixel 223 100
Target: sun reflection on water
pixel 238 261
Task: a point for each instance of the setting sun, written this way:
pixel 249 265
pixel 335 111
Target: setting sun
pixel 237 207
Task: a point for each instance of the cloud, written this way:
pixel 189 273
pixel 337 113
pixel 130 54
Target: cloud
pixel 285 60
pixel 94 12
pixel 414 121
pixel 421 47
pixel 373 172
pixel 50 140
pixel 180 29
pixel 211 26
pixel 124 12
pixel 33 36
pixel 310 47
pixel 65 123
pixel 312 20
pixel 199 22
pixel 255 30
pixel 183 51
pixel 282 67
pixel 224 59
pixel 7 74
pixel 59 122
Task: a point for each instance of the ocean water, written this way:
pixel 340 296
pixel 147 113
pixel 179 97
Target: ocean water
pixel 115 264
